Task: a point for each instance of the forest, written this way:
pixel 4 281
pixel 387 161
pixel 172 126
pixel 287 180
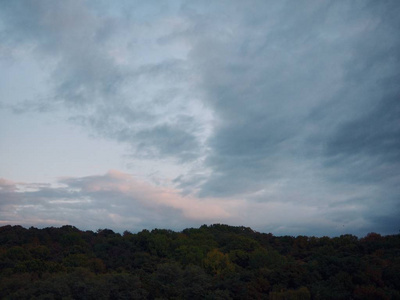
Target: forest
pixel 211 262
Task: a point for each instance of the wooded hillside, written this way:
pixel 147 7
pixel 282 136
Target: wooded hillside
pixel 211 262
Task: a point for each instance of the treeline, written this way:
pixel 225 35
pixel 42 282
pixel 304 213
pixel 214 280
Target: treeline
pixel 211 262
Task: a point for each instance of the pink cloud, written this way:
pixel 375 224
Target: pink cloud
pixel 155 196
pixel 115 199
pixel 7 185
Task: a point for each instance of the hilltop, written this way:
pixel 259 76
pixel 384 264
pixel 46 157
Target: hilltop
pixel 211 262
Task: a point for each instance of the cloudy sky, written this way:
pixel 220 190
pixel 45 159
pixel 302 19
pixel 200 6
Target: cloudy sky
pixel 279 115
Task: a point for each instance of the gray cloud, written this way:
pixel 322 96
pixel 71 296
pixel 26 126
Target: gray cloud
pixel 306 98
pixel 290 106
pixel 265 79
pixel 376 134
pixel 90 54
pixel 67 32
pixel 119 201
pixel 171 141
pixel 116 200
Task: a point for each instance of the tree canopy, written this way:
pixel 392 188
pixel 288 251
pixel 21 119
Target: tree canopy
pixel 210 262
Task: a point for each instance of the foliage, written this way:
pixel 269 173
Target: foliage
pixel 210 262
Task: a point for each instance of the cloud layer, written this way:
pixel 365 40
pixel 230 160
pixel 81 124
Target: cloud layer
pixel 118 200
pixel 115 199
pixel 281 115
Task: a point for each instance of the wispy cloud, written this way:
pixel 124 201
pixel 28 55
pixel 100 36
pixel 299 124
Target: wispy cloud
pixel 111 74
pixel 257 109
pixel 119 201
pixel 115 199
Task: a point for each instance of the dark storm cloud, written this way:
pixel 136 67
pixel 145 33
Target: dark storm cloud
pixel 386 223
pixel 261 78
pixel 269 69
pixel 307 98
pixel 376 134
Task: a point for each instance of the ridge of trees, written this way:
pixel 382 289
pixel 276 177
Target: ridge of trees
pixel 211 262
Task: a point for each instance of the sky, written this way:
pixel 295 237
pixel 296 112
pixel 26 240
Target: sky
pixel 282 116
